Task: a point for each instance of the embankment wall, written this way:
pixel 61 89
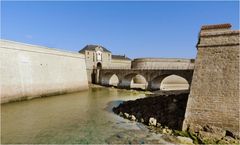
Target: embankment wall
pixel 28 71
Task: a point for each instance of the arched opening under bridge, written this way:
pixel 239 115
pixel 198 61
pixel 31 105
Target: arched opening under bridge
pixel 138 82
pixel 113 80
pixel 109 79
pixel 174 82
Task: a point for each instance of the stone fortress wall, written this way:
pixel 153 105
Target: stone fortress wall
pixel 120 64
pixel 28 71
pixel 162 63
pixel 214 95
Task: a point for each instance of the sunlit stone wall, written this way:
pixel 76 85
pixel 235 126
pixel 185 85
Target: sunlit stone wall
pixel 28 71
pixel 162 63
pixel 214 94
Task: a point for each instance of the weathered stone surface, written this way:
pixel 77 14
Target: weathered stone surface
pixel 126 115
pixel 166 131
pixel 185 140
pixel 228 140
pixel 152 121
pixel 209 138
pixel 195 128
pixel 29 71
pixel 162 63
pixel 215 130
pixel 146 108
pixel 214 93
pixel 153 77
pixel 132 117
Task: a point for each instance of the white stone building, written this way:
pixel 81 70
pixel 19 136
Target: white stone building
pixel 98 57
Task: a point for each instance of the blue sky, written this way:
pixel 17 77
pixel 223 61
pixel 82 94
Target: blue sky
pixel 137 29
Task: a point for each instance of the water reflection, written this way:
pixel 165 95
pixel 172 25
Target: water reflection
pixel 83 117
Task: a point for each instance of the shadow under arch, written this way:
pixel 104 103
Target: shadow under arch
pixel 135 81
pixel 174 82
pixel 110 79
pixel 170 82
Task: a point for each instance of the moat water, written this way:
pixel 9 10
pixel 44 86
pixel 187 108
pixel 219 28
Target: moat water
pixel 83 117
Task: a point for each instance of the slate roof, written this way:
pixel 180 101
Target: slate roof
pixel 122 57
pixel 92 47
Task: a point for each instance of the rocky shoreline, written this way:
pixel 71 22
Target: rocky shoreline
pixel 164 114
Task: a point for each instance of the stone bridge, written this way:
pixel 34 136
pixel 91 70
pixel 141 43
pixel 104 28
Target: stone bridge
pixel 152 77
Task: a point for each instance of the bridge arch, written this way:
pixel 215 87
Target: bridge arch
pixel 174 82
pixel 170 82
pixel 110 79
pixel 134 81
pixel 114 80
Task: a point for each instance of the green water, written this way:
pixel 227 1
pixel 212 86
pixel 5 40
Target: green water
pixel 83 117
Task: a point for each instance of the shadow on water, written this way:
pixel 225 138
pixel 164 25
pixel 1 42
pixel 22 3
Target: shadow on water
pixel 110 105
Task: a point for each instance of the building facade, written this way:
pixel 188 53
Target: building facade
pixel 98 57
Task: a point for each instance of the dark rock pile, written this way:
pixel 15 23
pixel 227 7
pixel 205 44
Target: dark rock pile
pixel 165 114
pixel 167 110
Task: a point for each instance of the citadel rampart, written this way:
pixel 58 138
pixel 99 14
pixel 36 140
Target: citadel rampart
pixel 162 63
pixel 214 94
pixel 28 71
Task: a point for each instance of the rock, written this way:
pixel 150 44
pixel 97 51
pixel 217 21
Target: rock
pixel 138 115
pixel 158 124
pixel 142 120
pixel 208 137
pixel 166 131
pixel 132 117
pixel 185 140
pixel 194 128
pixel 126 115
pixel 152 121
pixel 228 140
pixel 120 135
pixel 120 114
pixel 231 134
pixel 215 130
pixel 174 100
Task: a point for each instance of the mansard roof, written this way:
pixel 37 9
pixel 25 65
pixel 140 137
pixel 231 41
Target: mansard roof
pixel 122 57
pixel 92 48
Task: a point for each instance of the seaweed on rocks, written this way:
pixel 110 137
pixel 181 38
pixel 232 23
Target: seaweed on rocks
pixel 168 110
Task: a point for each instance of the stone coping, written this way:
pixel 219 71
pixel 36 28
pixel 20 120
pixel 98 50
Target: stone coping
pixel 163 60
pixel 8 44
pixel 217 26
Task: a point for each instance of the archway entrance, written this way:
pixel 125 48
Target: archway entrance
pixel 174 82
pixel 99 65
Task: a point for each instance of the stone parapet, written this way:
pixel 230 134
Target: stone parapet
pixel 214 39
pixel 162 63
